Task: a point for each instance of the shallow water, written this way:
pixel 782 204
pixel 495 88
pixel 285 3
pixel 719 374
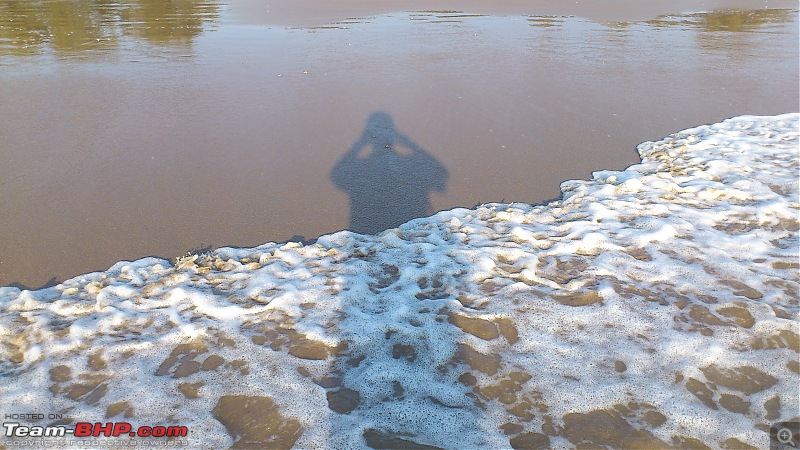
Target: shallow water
pixel 654 307
pixel 133 128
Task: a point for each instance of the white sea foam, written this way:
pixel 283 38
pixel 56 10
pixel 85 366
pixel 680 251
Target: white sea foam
pixel 660 303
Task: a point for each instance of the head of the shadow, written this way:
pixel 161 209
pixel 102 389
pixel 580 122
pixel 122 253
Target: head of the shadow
pixel 387 176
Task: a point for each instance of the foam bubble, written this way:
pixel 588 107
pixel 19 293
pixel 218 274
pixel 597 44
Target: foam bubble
pixel 661 297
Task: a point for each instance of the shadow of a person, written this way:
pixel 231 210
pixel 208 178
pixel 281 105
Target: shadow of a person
pixel 387 187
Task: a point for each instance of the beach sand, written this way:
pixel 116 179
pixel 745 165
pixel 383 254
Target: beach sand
pixel 146 134
pixel 648 308
pixel 172 152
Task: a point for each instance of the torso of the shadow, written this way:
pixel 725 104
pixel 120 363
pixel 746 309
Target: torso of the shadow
pixel 387 187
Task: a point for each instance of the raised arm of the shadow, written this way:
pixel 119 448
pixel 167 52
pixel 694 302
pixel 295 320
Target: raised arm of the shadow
pixel 386 187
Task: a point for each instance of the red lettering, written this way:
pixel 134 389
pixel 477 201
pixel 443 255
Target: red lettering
pixel 83 429
pixel 121 428
pixel 105 429
pixel 177 431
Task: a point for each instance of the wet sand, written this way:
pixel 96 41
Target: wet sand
pixel 649 308
pixel 227 134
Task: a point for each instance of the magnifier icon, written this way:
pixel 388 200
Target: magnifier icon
pixel 785 436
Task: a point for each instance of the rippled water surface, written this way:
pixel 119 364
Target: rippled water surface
pixel 146 127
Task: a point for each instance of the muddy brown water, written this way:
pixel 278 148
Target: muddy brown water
pixel 144 127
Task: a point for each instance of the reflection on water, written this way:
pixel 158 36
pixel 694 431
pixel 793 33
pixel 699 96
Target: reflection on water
pixel 71 27
pixel 729 31
pixel 168 22
pixel 725 20
pixel 67 27
pixel 546 21
pixel 731 21
pixel 734 33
